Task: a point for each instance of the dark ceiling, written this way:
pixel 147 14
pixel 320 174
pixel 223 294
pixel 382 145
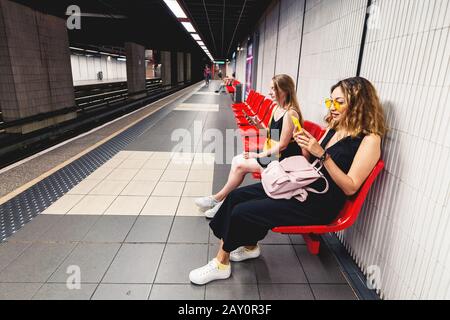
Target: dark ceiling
pixel 221 23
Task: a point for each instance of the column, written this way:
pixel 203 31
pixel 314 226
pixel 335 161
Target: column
pixel 180 66
pixel 188 67
pixel 166 73
pixel 135 69
pixel 35 70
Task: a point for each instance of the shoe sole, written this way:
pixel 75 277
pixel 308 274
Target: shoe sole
pixel 206 282
pixel 249 258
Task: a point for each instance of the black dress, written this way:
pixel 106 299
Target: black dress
pixel 293 149
pixel 247 214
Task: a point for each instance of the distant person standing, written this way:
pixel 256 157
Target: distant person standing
pixel 219 74
pixel 207 74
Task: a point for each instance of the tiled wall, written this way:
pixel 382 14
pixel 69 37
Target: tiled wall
pixel 270 42
pixel 36 47
pixel 241 58
pixel 166 73
pixel 331 43
pixel 289 37
pixel 180 66
pixel 188 67
pixel 403 228
pixel 135 66
pixel 86 68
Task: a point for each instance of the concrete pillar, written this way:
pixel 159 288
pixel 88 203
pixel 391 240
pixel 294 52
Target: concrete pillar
pixel 180 66
pixel 35 70
pixel 166 73
pixel 135 69
pixel 188 67
pixel 174 68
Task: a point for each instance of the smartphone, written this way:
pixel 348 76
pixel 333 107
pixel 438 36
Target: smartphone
pixel 297 124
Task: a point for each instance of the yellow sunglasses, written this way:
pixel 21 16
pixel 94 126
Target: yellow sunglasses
pixel 330 102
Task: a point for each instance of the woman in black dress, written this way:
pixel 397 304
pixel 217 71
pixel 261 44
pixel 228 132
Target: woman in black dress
pixel 350 149
pixel 281 128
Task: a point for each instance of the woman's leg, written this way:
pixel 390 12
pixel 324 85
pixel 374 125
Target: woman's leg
pixel 239 168
pixel 223 256
pixel 220 224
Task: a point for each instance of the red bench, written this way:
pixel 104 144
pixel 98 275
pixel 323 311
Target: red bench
pixel 231 88
pixel 346 217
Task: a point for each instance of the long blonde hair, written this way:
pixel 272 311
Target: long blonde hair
pixel 286 84
pixel 364 113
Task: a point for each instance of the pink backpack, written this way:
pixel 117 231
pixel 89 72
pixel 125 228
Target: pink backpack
pixel 289 178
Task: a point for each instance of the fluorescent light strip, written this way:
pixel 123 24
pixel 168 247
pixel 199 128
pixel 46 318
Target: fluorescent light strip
pixel 176 9
pixel 188 26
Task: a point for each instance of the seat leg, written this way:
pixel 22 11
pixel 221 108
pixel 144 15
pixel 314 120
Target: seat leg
pixel 312 243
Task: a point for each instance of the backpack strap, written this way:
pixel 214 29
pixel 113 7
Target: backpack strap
pixel 327 186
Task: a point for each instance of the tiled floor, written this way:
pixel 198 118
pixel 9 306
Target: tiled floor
pixel 132 231
pixel 147 183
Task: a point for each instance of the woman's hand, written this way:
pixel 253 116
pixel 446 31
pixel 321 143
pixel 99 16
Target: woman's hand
pixel 306 141
pixel 251 155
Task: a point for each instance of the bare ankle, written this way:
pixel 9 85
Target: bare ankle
pixel 223 258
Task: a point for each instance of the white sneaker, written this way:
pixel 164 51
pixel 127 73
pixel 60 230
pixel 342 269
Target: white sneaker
pixel 212 212
pixel 242 253
pixel 212 271
pixel 206 203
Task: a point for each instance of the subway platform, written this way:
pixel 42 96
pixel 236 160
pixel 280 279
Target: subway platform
pixel 115 208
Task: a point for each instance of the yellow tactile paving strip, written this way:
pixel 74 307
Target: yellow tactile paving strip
pixel 130 120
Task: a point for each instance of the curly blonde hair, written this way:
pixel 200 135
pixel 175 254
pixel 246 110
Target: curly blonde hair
pixel 364 112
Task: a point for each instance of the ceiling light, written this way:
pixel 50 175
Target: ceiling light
pixel 176 9
pixel 201 43
pixel 188 26
pixel 196 36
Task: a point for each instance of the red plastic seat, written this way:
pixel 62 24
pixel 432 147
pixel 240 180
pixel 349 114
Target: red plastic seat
pixel 345 219
pixel 232 88
pixel 347 215
pixel 254 145
pixel 238 106
pixel 252 109
pixel 264 112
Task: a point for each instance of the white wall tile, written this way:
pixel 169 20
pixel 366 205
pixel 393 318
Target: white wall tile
pixel 404 223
